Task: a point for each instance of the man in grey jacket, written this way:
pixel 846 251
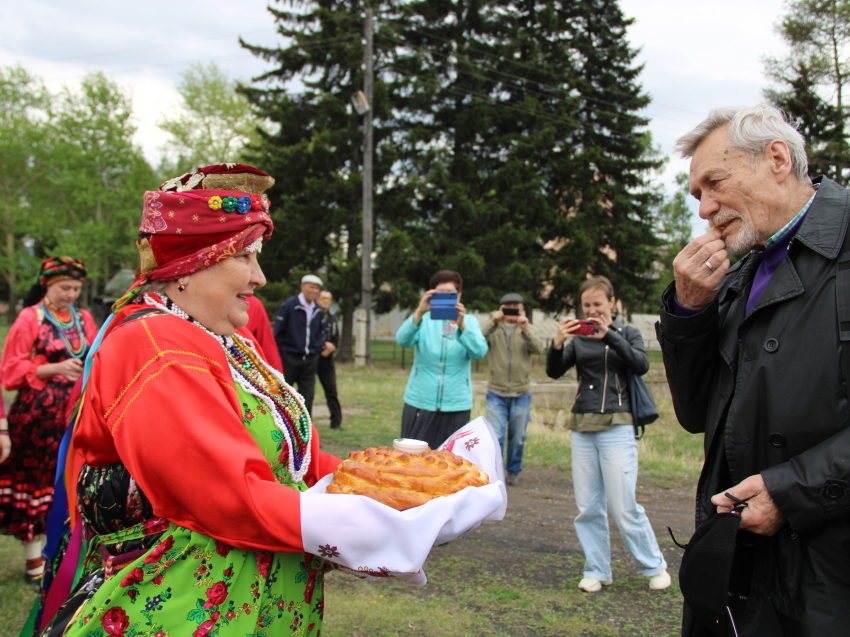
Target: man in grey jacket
pixel 511 340
pixel 755 361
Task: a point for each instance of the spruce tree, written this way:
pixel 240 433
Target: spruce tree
pixel 509 147
pixel 522 144
pixel 816 76
pixel 816 118
pixel 315 151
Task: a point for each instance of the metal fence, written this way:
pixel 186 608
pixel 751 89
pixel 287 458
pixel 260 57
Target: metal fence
pixel 386 352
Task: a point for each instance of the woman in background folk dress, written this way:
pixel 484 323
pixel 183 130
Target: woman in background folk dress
pixel 42 359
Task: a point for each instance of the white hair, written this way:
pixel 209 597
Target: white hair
pixel 751 129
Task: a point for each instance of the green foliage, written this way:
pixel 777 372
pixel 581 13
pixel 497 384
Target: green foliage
pixel 97 176
pixel 507 147
pixel 314 151
pixel 818 34
pixel 212 125
pixel 24 104
pixel 70 178
pixel 673 230
pixel 520 144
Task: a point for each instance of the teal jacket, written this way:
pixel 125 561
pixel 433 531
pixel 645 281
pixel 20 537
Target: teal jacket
pixel 440 379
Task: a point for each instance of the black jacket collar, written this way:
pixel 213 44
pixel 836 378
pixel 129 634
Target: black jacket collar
pixel 825 225
pixel 822 230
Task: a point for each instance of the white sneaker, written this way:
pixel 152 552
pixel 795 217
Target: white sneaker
pixel 661 581
pixel 590 585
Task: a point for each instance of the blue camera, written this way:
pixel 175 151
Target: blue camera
pixel 443 306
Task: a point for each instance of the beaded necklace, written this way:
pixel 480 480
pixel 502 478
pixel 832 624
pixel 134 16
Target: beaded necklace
pixel 259 379
pixel 68 331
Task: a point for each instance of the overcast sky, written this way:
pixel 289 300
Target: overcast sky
pixel 697 55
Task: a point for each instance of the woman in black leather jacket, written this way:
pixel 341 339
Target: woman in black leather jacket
pixel 604 450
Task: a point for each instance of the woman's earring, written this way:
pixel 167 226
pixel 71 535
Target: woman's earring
pixel 181 287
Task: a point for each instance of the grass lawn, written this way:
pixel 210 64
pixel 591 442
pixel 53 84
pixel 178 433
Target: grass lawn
pixel 476 588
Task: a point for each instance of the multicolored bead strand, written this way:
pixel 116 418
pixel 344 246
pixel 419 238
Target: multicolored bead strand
pixel 259 379
pixel 286 406
pixel 68 330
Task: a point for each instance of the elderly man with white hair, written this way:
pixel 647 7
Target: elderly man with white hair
pixel 756 358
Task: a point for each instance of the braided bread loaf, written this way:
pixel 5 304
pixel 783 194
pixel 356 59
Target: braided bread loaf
pixel 402 480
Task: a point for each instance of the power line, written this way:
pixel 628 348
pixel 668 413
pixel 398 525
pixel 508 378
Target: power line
pixel 529 91
pixel 527 65
pixel 514 107
pixel 231 56
pixel 158 46
pixel 157 66
pixel 586 98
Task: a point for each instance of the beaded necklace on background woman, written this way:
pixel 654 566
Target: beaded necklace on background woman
pixel 42 359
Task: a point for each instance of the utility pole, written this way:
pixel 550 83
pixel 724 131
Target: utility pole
pixel 364 331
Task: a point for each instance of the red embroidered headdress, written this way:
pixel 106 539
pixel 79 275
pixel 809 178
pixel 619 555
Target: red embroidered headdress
pixel 198 219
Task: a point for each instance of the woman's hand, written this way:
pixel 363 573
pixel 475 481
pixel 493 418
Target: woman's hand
pixel 424 306
pixel 461 312
pixel 601 327
pixel 566 330
pixel 5 441
pixel 70 368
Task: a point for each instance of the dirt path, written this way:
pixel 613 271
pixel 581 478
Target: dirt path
pixel 542 507
pixel 533 555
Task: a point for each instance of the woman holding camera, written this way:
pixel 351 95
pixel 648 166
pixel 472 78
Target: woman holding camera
pixel 438 397
pixel 604 449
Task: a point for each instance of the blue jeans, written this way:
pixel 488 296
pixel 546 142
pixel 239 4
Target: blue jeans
pixel 509 417
pixel 605 467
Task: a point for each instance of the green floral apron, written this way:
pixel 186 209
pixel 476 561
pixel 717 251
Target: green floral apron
pixel 191 584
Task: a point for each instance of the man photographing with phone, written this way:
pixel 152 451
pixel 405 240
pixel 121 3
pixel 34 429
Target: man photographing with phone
pixel 511 340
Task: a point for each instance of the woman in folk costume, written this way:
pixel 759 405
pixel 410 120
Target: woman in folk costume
pixel 42 359
pixel 198 455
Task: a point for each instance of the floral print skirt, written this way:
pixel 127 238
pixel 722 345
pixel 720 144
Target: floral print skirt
pixel 191 584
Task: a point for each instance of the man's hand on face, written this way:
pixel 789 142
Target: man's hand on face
pixel 498 315
pixel 761 515
pixel 698 269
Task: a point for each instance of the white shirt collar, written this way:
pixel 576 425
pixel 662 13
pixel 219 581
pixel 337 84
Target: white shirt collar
pixel 303 301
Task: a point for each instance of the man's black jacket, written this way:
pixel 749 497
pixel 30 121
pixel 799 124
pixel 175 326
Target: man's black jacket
pixel 768 391
pixel 293 334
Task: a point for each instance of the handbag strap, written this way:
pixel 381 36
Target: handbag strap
pixel 640 430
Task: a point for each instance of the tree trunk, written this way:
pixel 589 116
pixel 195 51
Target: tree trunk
pixel 11 278
pixel 345 341
pixel 346 350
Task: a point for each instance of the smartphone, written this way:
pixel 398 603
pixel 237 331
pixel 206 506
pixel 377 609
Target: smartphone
pixel 443 306
pixel 586 328
pixel 510 311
